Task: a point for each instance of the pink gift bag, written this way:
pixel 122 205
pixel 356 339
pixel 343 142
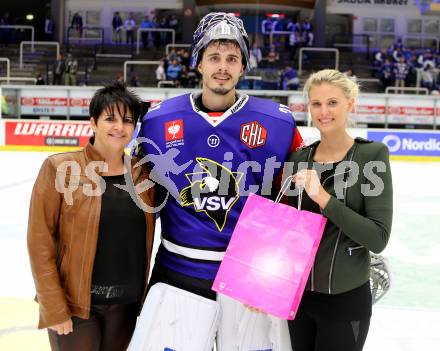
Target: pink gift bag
pixel 270 255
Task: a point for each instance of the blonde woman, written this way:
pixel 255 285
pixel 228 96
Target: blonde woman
pixel 349 181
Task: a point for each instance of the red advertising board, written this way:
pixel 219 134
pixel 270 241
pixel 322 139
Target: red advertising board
pixel 47 133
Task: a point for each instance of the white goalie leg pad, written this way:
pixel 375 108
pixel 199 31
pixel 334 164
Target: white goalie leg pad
pixel 175 319
pixel 242 329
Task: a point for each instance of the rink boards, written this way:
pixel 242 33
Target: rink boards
pixel 60 136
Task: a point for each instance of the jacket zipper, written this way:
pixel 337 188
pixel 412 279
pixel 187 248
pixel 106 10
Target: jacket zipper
pixel 312 278
pixel 312 275
pixel 351 249
pixel 330 275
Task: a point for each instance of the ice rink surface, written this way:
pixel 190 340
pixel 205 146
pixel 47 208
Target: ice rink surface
pixel 407 319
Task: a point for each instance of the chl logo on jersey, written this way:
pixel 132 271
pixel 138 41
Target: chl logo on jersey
pixel 214 191
pixel 253 134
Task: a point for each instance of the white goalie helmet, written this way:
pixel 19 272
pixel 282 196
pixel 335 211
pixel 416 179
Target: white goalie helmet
pixel 219 25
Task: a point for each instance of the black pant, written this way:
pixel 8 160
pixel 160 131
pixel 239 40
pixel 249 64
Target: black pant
pixel 309 333
pixel 130 36
pixel 201 287
pixel 109 328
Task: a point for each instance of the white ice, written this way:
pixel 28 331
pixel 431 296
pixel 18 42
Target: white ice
pixel 407 319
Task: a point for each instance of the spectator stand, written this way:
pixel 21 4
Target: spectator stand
pixel 251 82
pixel 132 63
pixel 279 33
pixel 306 49
pixel 165 84
pixel 89 35
pixel 419 41
pixel 352 41
pixel 85 73
pixel 416 90
pixel 52 43
pixel 8 68
pixel 171 46
pixel 17 79
pixel 97 55
pixel 23 27
pixel 167 30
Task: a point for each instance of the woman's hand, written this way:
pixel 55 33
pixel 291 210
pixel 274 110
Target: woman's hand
pixel 63 328
pixel 309 180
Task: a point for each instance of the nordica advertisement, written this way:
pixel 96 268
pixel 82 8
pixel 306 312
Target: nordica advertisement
pixel 411 143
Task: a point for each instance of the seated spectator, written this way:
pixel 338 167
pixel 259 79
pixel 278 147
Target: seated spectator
pixel 40 79
pixel 172 55
pixel 193 78
pixel 119 78
pixel 289 79
pixel 272 57
pixel 184 77
pixel 349 73
pixel 173 72
pixel 134 81
pixel 185 58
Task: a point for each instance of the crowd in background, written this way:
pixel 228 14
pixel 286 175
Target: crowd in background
pixel 275 51
pixel 149 39
pixel 398 66
pixel 174 70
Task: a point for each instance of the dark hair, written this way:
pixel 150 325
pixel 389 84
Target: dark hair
pixel 221 42
pixel 116 96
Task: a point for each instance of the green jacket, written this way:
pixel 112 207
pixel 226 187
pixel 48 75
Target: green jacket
pixel 359 215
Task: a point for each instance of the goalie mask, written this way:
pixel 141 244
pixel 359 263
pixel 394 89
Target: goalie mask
pixel 219 25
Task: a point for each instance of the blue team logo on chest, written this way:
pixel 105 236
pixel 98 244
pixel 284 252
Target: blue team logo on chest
pixel 214 190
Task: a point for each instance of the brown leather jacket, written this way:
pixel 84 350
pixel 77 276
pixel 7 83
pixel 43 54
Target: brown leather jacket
pixel 63 233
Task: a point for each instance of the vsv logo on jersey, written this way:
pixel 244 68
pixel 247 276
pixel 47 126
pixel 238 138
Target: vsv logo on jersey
pixel 253 134
pixel 174 133
pixel 214 191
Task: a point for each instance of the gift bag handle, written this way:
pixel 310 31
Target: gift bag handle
pixel 284 188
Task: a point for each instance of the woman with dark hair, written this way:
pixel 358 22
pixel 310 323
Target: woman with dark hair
pixel 90 233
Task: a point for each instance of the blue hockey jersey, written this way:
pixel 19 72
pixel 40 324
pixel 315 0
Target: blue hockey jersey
pixel 208 165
